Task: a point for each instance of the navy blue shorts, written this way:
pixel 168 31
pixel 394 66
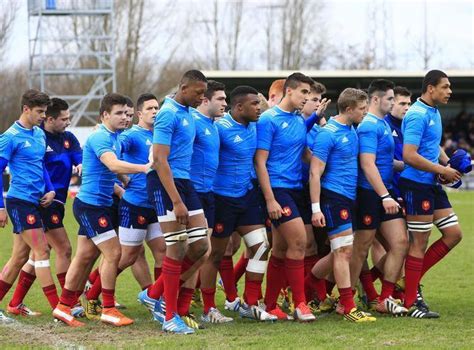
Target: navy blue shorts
pixel 209 207
pixel 337 210
pixel 294 205
pixel 162 202
pixel 93 220
pixel 24 215
pixel 423 199
pixel 53 216
pixel 235 212
pixel 132 216
pixel 370 212
pixel 115 211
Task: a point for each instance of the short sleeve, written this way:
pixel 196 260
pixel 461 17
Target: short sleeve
pixel 368 140
pixel 125 142
pixel 101 143
pixel 413 127
pixel 265 132
pixel 6 145
pixel 323 144
pixel 165 124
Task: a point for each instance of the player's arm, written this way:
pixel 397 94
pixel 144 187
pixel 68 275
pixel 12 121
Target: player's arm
pixel 115 165
pixel 316 170
pixel 3 212
pixel 118 191
pixel 398 165
pixel 76 155
pixel 49 195
pixel 163 169
pixel 306 156
pixel 443 157
pixel 273 207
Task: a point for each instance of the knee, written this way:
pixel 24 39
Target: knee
pixel 343 253
pixel 42 253
pixel 298 245
pixel 454 237
pixel 113 255
pixel 127 260
pixel 215 258
pixel 65 251
pixel 199 248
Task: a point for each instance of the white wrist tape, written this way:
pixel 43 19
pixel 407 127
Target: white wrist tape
pixel 315 208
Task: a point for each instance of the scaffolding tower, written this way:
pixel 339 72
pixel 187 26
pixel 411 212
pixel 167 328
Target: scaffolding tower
pixel 71 49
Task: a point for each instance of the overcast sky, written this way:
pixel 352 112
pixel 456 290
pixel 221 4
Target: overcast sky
pixel 450 29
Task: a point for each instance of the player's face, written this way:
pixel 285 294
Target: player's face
pixel 36 115
pixel 400 106
pixel 387 102
pixel 358 112
pixel 299 96
pixel 117 118
pixel 217 104
pixel 314 101
pixel 130 114
pixel 60 124
pixel 149 111
pixel 251 108
pixel 441 92
pixel 193 93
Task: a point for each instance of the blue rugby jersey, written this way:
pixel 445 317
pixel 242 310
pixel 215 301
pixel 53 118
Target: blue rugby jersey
pixel 422 127
pixel 337 145
pixel 135 146
pixel 310 138
pixel 238 144
pixel 396 127
pixel 63 151
pixel 97 180
pixel 205 157
pixel 375 137
pixel 175 127
pixel 283 135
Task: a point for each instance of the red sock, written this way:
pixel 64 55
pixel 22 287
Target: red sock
pixel 171 272
pixel 387 290
pixel 252 291
pixel 52 295
pixel 376 273
pixel 366 280
pixel 4 288
pixel 413 267
pixel 61 279
pixel 108 296
pixel 275 281
pixel 68 297
pixel 226 270
pixel 309 262
pixel 157 288
pixel 25 281
pixel 157 272
pixel 184 300
pixel 398 295
pixel 94 292
pixel 437 251
pixel 240 267
pixel 329 286
pixel 346 299
pixel 314 284
pixel 208 298
pixel 78 295
pixel 295 276
pixel 93 275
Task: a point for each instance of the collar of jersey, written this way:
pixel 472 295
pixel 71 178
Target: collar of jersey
pixel 424 105
pixel 179 105
pixel 396 121
pixel 103 127
pixel 141 128
pixel 373 115
pixel 333 120
pixel 203 116
pixel 282 111
pixel 21 127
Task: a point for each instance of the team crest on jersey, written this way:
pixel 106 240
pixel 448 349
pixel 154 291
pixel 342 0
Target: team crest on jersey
pixel 67 144
pixel 141 220
pixel 103 222
pixel 425 205
pixel 286 211
pixel 344 214
pixel 219 228
pixel 367 220
pixel 55 219
pixel 31 219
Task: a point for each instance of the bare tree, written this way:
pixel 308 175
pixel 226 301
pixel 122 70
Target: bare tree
pixel 7 18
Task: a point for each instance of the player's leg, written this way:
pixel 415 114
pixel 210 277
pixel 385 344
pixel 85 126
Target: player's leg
pixel 141 270
pixel 25 281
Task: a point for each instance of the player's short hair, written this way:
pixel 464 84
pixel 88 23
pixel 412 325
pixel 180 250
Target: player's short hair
pixel 56 107
pixel 349 98
pixel 401 91
pixel 432 78
pixel 111 100
pixel 318 88
pixel 240 92
pixel 212 87
pixel 295 79
pixel 129 102
pixel 34 98
pixel 192 75
pixel 379 87
pixel 276 87
pixel 143 98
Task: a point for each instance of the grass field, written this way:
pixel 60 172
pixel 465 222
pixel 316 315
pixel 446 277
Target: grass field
pixel 448 290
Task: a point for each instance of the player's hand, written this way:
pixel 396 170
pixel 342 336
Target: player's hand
pixel 181 213
pixel 323 106
pixel 318 220
pixel 263 102
pixel 390 206
pixel 77 170
pixel 3 217
pixel 450 175
pixel 47 199
pixel 274 209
